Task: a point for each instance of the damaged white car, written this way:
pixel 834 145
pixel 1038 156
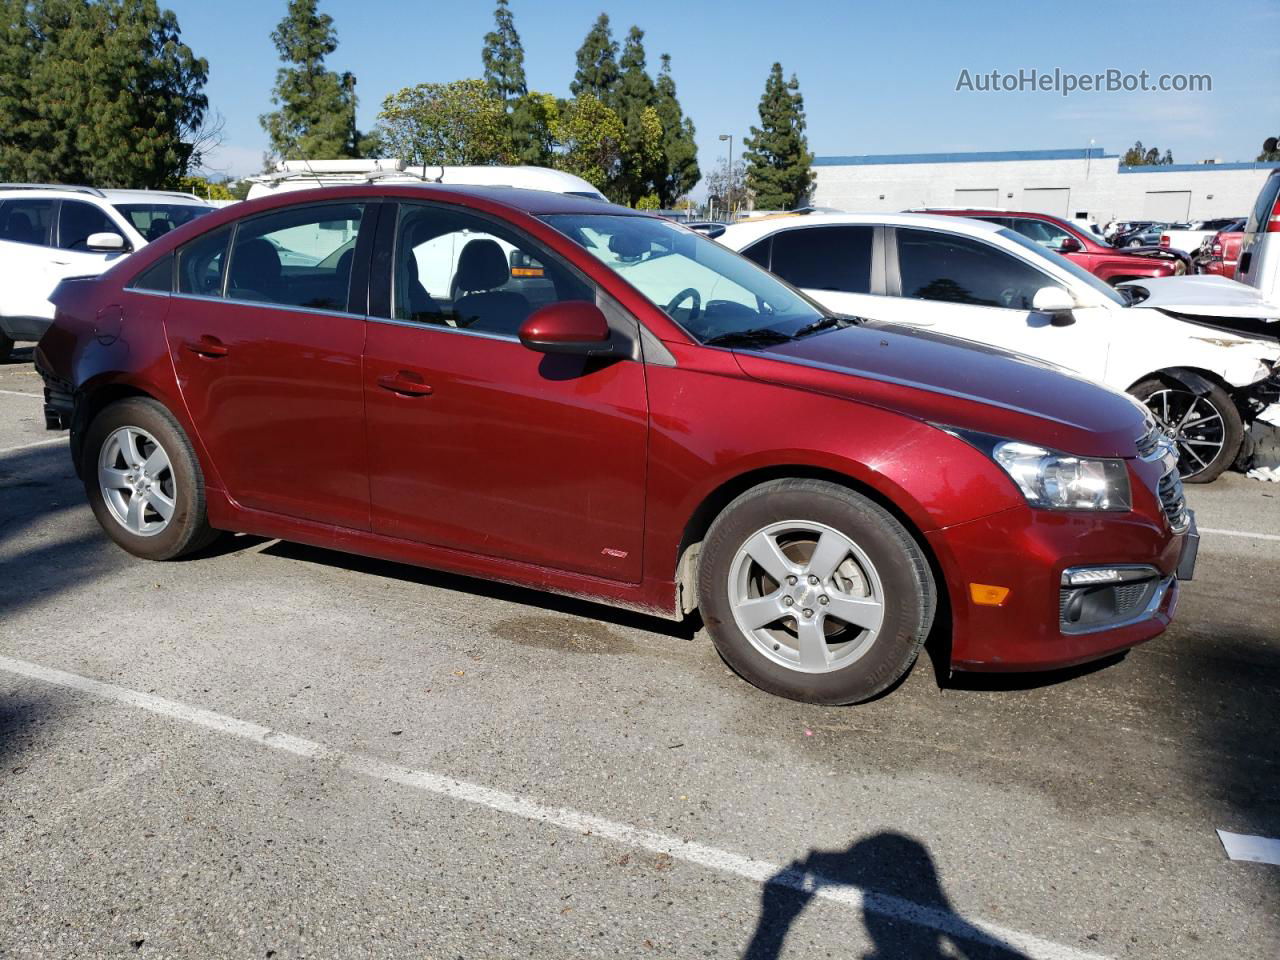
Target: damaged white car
pixel 1203 353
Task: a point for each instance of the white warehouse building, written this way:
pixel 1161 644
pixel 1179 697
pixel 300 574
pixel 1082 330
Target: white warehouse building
pixel 1081 184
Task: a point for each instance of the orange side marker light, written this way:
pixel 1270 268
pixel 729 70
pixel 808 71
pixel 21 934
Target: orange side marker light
pixel 988 595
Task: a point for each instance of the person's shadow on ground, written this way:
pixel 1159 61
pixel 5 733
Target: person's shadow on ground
pixel 906 912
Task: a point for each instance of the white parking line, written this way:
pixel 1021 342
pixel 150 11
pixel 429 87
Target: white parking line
pixel 19 393
pixel 1240 533
pixel 757 871
pixel 37 443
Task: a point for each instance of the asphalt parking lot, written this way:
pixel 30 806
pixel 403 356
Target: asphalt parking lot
pixel 279 751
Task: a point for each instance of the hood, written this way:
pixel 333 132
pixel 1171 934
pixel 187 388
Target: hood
pixel 958 383
pixel 1205 295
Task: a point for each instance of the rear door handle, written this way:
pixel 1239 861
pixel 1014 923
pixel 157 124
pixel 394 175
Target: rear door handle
pixel 207 346
pixel 406 383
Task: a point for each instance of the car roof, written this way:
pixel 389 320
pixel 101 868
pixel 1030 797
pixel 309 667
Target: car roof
pixel 535 203
pixel 749 230
pixel 111 194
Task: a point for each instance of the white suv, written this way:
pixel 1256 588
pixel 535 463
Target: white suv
pixel 50 232
pixel 1201 352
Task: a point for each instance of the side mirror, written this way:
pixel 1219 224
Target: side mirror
pixel 572 326
pixel 1057 303
pixel 105 243
pixel 1070 245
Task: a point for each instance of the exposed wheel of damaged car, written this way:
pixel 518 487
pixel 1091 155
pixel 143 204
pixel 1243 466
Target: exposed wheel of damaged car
pixel 144 482
pixel 1206 426
pixel 814 592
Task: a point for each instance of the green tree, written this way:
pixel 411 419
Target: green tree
pixel 205 189
pixel 777 153
pixel 1140 156
pixel 316 119
pixel 597 72
pixel 503 58
pixel 533 121
pixel 681 152
pixel 1270 150
pixel 102 93
pixel 634 100
pixel 589 142
pixel 456 123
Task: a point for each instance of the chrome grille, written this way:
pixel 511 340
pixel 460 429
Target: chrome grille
pixel 1152 443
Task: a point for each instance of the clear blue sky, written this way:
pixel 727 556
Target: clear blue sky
pixel 877 77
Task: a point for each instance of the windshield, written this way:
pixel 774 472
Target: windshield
pixel 154 220
pixel 1077 271
pixel 710 291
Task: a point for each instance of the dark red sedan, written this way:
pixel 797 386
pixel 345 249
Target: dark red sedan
pixel 1082 247
pixel 576 397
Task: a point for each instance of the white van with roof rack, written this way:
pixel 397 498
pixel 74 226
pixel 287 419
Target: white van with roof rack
pixel 49 232
pixel 309 174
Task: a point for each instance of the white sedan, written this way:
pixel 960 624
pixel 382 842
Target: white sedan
pixel 1202 352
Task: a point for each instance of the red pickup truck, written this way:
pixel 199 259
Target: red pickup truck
pixel 1083 247
pixel 1220 254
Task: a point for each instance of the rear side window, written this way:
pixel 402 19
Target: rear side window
pixel 957 269
pixel 78 221
pixel 299 257
pixel 1266 203
pixel 157 277
pixel 825 258
pixel 26 220
pixel 201 264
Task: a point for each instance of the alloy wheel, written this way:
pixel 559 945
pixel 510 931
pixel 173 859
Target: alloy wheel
pixel 806 596
pixel 137 481
pixel 1195 425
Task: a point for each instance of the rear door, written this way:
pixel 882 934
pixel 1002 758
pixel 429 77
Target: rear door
pixel 266 333
pixel 26 231
pixel 477 443
pixel 840 266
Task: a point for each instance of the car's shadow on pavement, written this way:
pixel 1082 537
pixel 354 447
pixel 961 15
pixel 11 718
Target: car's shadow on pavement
pixel 905 911
pixel 524 596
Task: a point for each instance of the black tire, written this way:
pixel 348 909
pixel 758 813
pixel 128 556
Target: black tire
pixel 1192 446
pixel 188 529
pixel 909 598
pixel 6 348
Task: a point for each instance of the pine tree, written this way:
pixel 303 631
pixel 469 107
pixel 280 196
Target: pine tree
pixel 777 153
pixel 317 115
pixel 681 152
pixel 597 72
pixel 102 93
pixel 635 102
pixel 503 58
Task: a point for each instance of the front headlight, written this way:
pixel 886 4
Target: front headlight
pixel 1056 481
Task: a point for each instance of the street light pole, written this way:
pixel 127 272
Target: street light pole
pixel 729 204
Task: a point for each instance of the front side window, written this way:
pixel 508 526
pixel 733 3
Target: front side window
pixel 458 270
pixel 300 257
pixel 957 269
pixel 78 221
pixel 1081 275
pixel 825 258
pixel 154 220
pixel 26 220
pixel 709 290
pixel 201 264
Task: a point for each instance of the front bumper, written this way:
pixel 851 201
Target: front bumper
pixel 1029 551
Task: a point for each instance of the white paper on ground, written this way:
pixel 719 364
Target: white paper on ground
pixel 1241 846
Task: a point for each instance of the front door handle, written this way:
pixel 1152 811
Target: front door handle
pixel 207 346
pixel 406 383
